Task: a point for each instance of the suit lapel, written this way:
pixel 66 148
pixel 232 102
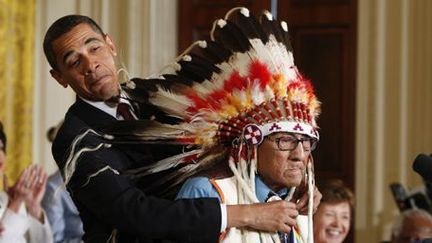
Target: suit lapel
pixel 91 115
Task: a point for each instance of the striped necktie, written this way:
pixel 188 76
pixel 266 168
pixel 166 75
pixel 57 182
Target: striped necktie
pixel 123 110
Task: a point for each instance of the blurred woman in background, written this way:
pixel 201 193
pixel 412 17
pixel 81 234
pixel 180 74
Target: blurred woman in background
pixel 332 220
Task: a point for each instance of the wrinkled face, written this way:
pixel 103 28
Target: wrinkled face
pixel 414 229
pixel 332 222
pixel 2 157
pixel 85 61
pixel 280 169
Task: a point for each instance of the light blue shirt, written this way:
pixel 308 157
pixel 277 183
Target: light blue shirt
pixel 197 187
pixel 62 213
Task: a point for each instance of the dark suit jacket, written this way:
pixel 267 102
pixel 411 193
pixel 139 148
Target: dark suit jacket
pixel 111 202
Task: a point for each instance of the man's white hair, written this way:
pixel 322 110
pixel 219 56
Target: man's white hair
pixel 410 213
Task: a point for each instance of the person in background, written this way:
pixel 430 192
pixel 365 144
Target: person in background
pixel 23 219
pixel 412 225
pixel 61 211
pixel 333 217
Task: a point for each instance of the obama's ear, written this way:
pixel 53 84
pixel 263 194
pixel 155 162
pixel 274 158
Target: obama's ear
pixel 111 44
pixel 57 76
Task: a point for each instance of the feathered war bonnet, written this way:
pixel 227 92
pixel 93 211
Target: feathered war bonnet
pixel 228 93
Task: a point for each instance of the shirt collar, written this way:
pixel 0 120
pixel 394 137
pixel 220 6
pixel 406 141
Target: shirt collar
pixel 101 105
pixel 262 190
pixel 109 109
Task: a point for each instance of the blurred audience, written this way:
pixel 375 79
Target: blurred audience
pixel 62 213
pixel 332 219
pixel 412 225
pixel 22 217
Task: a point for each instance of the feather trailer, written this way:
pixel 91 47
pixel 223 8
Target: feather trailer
pixel 184 170
pixel 146 131
pixel 171 103
pixel 168 163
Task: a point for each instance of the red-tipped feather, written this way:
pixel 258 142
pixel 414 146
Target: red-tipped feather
pixel 198 102
pixel 186 140
pixel 215 98
pixel 309 88
pixel 259 71
pixel 235 82
pixel 294 85
pixel 190 159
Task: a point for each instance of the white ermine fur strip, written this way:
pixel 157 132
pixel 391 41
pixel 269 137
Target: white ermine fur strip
pixel 100 171
pixel 290 194
pixel 253 169
pixel 76 141
pixel 70 166
pixel 165 164
pixel 311 187
pixel 242 183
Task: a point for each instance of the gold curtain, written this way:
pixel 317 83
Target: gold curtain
pixel 16 81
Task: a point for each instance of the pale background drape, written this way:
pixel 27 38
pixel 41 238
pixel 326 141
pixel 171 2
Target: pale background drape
pixel 394 82
pixel 16 81
pixel 394 106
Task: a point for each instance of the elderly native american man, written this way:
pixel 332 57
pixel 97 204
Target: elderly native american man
pixel 268 111
pixel 218 102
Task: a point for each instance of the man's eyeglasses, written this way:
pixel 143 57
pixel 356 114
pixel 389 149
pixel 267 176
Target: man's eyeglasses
pixel 289 143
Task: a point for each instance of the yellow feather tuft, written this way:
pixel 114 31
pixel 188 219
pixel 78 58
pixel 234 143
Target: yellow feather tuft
pixel 228 110
pixel 280 85
pixel 248 103
pixel 235 101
